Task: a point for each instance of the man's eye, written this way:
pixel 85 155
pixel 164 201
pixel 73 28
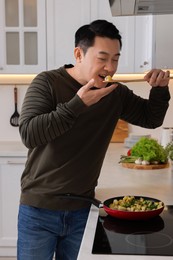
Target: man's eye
pixel 102 59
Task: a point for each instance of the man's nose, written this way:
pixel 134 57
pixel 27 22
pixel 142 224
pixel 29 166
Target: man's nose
pixel 109 66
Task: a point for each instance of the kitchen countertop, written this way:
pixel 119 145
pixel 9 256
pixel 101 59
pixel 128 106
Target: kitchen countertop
pixel 114 181
pixel 118 181
pixel 12 149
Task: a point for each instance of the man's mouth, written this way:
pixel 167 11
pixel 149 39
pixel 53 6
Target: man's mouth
pixel 102 76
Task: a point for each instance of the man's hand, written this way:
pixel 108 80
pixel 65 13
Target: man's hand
pixel 157 78
pixel 91 96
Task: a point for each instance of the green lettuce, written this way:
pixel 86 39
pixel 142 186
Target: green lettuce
pixel 150 150
pixel 169 150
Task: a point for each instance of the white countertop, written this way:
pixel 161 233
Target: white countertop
pixel 118 181
pixel 114 181
pixel 12 149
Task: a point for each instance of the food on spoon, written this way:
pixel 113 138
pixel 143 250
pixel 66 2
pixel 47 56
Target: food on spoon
pixel 108 78
pixel 130 203
pixel 146 151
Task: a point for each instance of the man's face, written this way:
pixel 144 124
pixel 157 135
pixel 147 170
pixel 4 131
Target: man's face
pixel 99 61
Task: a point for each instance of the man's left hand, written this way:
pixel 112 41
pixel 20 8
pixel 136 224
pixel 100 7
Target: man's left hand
pixel 157 78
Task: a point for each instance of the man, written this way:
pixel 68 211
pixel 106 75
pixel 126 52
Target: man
pixel 67 120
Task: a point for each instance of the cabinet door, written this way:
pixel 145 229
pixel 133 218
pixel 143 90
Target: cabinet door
pixel 143 43
pixel 22 33
pixel 10 174
pixel 136 32
pixel 126 26
pixel 64 17
pixel 163 41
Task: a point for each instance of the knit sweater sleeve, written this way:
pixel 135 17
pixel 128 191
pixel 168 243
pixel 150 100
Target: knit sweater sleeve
pixel 148 113
pixel 41 119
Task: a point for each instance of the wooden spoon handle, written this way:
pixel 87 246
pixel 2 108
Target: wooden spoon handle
pixel 128 80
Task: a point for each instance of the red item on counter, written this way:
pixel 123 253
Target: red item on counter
pixel 129 152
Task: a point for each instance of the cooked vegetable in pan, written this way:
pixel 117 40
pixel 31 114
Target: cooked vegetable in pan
pixel 130 203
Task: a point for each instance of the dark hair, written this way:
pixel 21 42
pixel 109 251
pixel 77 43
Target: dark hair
pixel 85 35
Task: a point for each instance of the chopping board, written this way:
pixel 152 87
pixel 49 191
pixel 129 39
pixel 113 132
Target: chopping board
pixel 120 132
pixel 145 167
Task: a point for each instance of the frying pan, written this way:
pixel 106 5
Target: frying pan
pixel 128 215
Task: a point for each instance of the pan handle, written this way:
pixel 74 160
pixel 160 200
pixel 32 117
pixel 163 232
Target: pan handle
pixel 94 201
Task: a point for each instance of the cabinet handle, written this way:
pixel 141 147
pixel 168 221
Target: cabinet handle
pixel 145 62
pixel 15 162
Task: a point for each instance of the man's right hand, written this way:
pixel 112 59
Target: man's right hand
pixel 91 96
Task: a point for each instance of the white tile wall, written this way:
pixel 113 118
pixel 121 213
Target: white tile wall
pixel 10 133
pixel 142 89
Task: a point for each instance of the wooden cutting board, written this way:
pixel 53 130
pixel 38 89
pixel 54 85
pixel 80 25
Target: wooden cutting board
pixel 145 167
pixel 120 132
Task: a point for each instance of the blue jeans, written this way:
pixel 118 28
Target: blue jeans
pixel 43 233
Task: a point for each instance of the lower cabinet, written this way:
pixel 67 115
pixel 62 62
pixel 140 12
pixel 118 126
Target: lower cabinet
pixel 10 174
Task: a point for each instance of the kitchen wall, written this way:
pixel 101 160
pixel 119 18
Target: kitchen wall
pixel 10 133
pixel 143 89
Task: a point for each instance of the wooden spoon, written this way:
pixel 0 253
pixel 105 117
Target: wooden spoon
pixel 128 80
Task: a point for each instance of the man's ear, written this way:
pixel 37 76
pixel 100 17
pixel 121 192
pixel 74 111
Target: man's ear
pixel 78 53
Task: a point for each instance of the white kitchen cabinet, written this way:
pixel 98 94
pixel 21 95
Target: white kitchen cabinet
pixel 64 17
pixel 39 34
pixel 137 37
pixel 23 36
pixel 147 39
pixel 163 41
pixel 62 25
pixel 76 13
pixel 42 39
pixel 11 169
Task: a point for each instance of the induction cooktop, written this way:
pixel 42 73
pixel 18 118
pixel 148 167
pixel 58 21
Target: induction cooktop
pixel 127 237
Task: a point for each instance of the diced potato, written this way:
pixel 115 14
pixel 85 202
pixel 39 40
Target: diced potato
pixel 108 78
pixel 129 203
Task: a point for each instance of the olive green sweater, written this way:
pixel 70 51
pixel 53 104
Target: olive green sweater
pixel 67 140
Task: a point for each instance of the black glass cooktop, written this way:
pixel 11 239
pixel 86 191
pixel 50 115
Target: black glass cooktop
pixel 149 237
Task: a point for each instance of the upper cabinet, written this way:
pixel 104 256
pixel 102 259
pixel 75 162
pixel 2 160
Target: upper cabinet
pixel 38 35
pixel 63 20
pixel 137 37
pixel 23 36
pixel 147 39
pixel 64 17
pixel 163 41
